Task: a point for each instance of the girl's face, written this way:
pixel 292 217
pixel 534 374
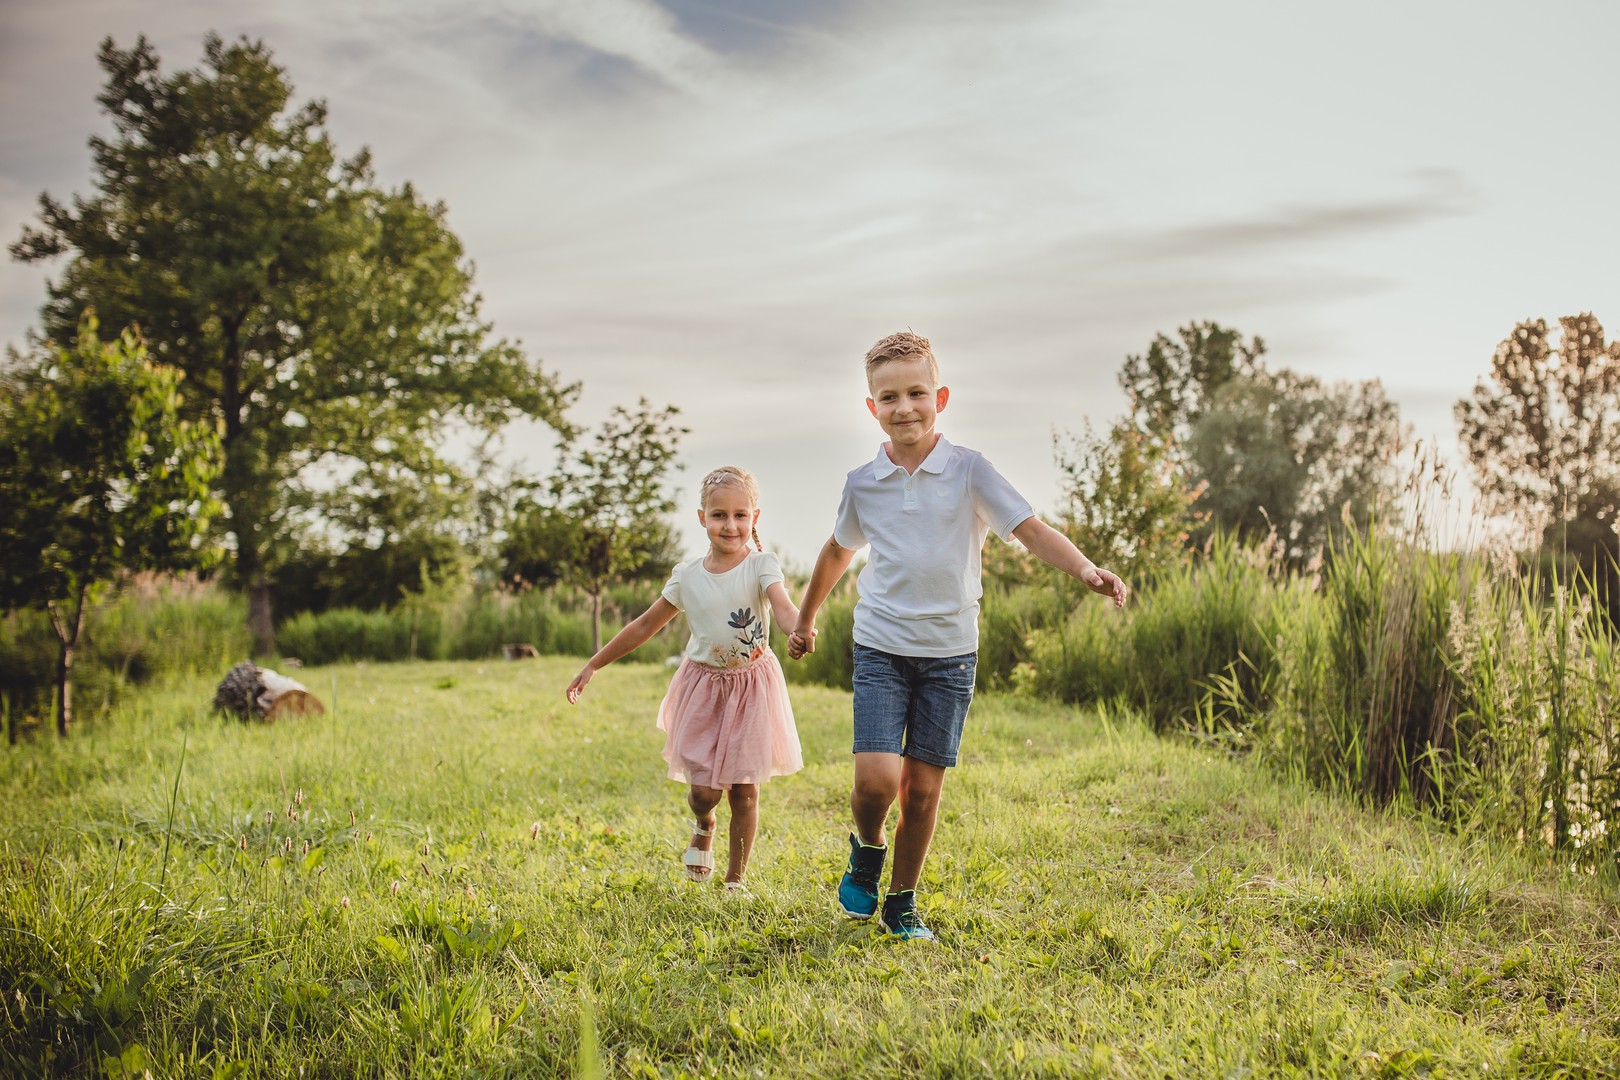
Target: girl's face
pixel 728 517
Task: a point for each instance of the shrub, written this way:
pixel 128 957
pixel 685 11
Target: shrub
pixel 1195 645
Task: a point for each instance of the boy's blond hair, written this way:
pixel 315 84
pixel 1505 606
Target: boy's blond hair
pixel 903 345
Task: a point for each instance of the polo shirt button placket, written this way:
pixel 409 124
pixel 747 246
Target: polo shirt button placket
pixel 911 493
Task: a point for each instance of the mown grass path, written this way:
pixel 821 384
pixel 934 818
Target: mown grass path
pixel 455 873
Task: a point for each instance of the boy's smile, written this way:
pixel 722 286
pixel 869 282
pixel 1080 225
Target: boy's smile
pixel 907 403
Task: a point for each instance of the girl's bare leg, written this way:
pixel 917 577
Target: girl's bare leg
pixel 703 800
pixel 744 823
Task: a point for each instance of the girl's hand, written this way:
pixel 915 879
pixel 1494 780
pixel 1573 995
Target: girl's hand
pixel 577 687
pixel 801 643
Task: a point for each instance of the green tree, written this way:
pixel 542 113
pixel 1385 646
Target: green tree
pixel 1125 501
pixel 327 323
pixel 1266 448
pixel 600 517
pixel 1170 385
pixel 100 475
pixel 378 537
pixel 1285 451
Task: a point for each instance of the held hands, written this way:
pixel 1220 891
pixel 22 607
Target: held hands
pixel 801 642
pixel 577 687
pixel 1107 583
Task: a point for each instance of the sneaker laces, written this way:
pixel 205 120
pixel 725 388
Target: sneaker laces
pixel 866 867
pixel 903 916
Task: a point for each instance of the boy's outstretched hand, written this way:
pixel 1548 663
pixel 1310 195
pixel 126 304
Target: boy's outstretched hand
pixel 1107 583
pixel 577 687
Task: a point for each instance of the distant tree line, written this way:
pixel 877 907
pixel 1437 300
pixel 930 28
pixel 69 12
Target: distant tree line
pixel 1216 440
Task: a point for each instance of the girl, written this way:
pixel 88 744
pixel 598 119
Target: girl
pixel 727 722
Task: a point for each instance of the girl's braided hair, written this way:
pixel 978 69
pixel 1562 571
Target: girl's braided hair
pixel 731 476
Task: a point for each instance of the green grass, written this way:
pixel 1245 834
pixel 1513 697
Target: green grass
pixel 454 873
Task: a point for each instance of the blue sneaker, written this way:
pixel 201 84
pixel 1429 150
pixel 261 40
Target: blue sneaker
pixel 900 919
pixel 858 891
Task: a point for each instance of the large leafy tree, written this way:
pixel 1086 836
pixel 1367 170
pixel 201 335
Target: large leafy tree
pixel 601 516
pixel 1543 431
pixel 1285 451
pixel 1267 449
pixel 326 322
pixel 99 474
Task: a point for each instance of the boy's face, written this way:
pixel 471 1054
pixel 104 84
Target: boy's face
pixel 906 402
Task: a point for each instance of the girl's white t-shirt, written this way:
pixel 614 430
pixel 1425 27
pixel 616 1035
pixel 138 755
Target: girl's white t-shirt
pixel 728 613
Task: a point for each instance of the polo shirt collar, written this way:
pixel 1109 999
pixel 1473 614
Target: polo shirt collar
pixel 883 465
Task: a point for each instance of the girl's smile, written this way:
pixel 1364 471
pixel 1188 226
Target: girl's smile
pixel 728 517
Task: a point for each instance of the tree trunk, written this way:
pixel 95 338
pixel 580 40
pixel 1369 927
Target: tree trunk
pixel 261 622
pixel 64 690
pixel 67 637
pixel 250 570
pixel 238 482
pixel 596 620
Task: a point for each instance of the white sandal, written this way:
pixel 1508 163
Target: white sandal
pixel 699 863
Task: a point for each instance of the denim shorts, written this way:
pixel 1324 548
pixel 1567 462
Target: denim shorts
pixel 912 705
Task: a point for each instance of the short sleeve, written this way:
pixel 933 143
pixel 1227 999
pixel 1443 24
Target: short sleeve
pixel 847 531
pixel 770 570
pixel 672 588
pixel 995 501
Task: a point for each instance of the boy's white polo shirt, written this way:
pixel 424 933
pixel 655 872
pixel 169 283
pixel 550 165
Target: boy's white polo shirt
pixel 920 589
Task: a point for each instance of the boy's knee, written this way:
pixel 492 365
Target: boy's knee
pixel 875 789
pixel 919 799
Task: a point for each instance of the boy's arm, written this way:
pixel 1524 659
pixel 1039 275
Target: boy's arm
pixel 635 634
pixel 830 566
pixel 1052 547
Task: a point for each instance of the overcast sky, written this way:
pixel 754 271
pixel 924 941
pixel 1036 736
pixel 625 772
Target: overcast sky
pixel 721 204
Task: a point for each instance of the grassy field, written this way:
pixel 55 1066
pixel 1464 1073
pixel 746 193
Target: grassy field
pixel 453 873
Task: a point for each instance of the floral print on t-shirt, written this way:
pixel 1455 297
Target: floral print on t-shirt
pixel 749 643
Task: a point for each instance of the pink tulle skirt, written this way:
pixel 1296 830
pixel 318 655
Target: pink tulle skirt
pixel 727 726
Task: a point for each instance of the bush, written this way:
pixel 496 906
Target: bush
pixel 1196 646
pixel 473 627
pixel 153 630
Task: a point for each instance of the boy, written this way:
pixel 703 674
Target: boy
pixel 925 507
